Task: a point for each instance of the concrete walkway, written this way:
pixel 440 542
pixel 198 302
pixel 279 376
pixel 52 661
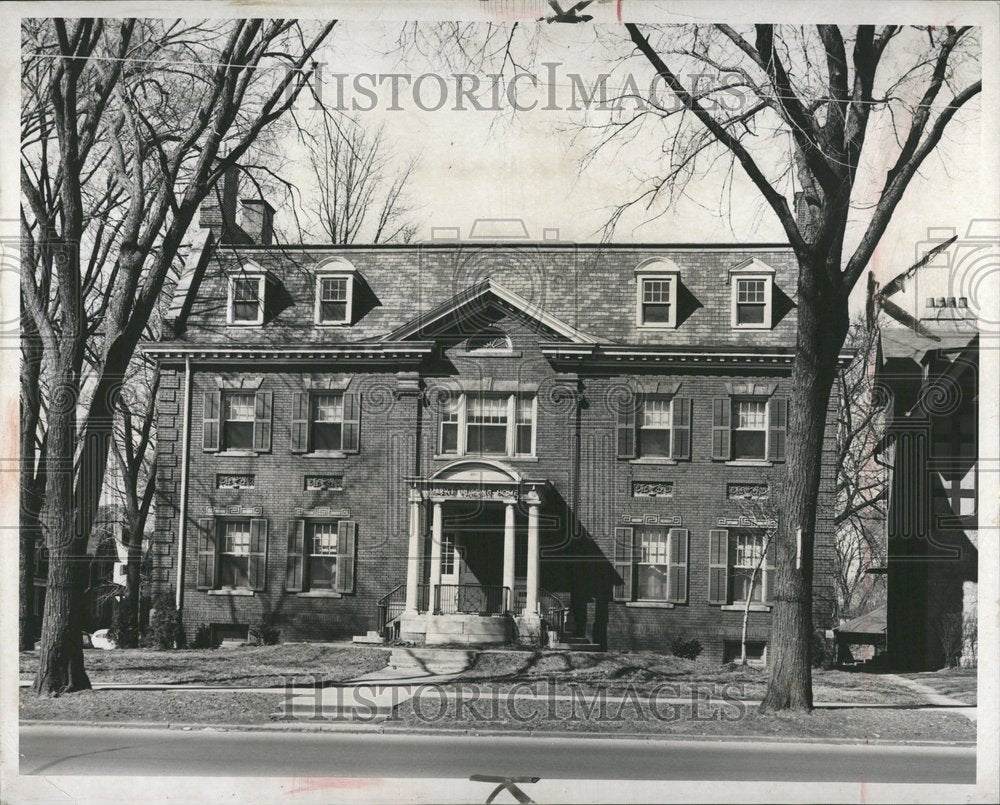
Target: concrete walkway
pixel 935 698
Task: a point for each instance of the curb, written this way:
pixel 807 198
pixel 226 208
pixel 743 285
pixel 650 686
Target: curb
pixel 381 728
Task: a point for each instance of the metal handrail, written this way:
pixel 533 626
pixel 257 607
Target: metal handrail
pixel 389 607
pixel 476 599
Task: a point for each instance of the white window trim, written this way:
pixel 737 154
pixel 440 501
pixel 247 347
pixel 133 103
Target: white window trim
pixel 762 575
pixel 322 274
pixel 261 291
pixel 667 564
pixel 755 462
pixel 511 439
pixel 768 280
pixel 640 281
pixel 670 447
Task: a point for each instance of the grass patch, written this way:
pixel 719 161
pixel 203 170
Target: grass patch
pixel 165 707
pixel 248 666
pixel 679 720
pixel 959 683
pixel 644 671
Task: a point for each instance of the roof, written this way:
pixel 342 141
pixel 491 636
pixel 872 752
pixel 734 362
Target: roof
pixel 584 293
pixel 870 623
pixel 898 342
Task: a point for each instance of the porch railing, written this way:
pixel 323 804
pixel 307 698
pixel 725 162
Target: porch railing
pixel 550 607
pixel 471 599
pixel 392 605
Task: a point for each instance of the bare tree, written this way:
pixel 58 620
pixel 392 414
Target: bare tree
pixel 761 514
pixel 127 126
pixel 824 107
pixel 359 192
pixel 862 478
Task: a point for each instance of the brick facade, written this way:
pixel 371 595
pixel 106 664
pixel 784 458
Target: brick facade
pixel 590 490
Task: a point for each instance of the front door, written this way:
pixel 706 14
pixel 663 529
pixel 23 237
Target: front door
pixel 450 566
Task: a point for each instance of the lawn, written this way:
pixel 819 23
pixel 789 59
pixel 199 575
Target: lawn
pixel 959 683
pixel 161 706
pixel 249 666
pixel 726 720
pixel 644 671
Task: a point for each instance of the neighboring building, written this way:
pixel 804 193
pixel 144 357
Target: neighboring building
pixel 475 442
pixel 932 536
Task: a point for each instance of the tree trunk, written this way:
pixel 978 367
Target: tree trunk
pixel 130 619
pixel 28 533
pixel 60 661
pixel 820 335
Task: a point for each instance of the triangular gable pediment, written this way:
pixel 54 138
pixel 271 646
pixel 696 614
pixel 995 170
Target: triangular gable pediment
pixel 473 299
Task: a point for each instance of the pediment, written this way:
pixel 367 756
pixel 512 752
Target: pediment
pixel 483 301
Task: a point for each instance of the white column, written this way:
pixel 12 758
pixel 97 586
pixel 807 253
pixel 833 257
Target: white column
pixel 508 554
pixel 531 599
pixel 436 530
pixel 413 556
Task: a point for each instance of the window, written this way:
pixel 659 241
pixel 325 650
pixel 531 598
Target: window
pixel 657 283
pixel 654 430
pixel 734 555
pixel 756 651
pixel 488 343
pixel 749 439
pixel 487 424
pixel 234 554
pixel 333 299
pixel 327 422
pixel 238 420
pixel 246 300
pixel 322 555
pixel 751 297
pixel 653 563
pixel 447 554
pixel 654 427
pixel 748 568
pixel 524 427
pixel 449 427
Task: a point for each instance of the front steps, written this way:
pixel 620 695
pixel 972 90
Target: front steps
pixel 574 644
pixel 372 637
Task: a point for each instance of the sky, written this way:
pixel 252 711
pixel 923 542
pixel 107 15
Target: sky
pixel 530 165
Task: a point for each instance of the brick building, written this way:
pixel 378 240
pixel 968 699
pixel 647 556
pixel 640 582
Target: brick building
pixel 475 442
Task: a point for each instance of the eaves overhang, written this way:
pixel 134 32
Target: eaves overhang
pixel 673 355
pixel 409 351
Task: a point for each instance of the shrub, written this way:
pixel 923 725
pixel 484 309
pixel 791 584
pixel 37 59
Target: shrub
pixel 685 649
pixel 203 637
pixel 164 630
pixel 124 629
pixel 265 633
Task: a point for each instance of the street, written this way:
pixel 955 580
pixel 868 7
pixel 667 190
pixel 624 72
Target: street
pixel 99 750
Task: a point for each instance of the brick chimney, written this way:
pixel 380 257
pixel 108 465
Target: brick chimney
pixel 218 210
pixel 257 220
pixel 803 216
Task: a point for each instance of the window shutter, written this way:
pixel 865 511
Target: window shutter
pixel 721 423
pixel 295 556
pixel 210 421
pixel 206 553
pixel 258 553
pixel 777 424
pixel 300 422
pixel 718 566
pixel 623 563
pixel 347 551
pixel 262 421
pixel 769 569
pixel 626 426
pixel 680 443
pixel 678 566
pixel 352 421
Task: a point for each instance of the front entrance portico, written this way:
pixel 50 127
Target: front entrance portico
pixel 471 578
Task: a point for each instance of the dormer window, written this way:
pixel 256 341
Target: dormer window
pixel 334 292
pixel 657 281
pixel 752 293
pixel 246 299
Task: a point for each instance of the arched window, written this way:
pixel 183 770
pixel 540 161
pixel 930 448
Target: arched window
pixel 488 342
